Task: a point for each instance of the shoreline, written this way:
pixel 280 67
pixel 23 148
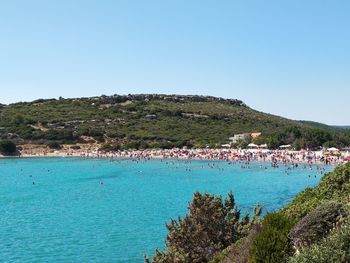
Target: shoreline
pixel 239 155
pixel 244 164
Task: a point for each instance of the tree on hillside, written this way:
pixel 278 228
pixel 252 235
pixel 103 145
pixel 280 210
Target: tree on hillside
pixel 7 147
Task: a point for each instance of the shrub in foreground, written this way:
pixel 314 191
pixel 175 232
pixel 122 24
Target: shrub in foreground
pixel 333 186
pixel 211 226
pixel 239 251
pixel 317 224
pixel 272 244
pixel 335 248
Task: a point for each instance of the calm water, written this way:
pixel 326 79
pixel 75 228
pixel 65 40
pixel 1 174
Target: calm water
pixel 69 216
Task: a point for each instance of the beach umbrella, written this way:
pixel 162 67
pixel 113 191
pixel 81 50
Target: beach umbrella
pixel 333 149
pixel 285 146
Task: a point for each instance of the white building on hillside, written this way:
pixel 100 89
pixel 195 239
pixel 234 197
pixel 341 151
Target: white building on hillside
pixel 239 137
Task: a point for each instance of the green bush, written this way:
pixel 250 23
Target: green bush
pixel 333 186
pixel 239 251
pixel 271 244
pixel 131 145
pixel 317 224
pixel 333 249
pixel 7 147
pixel 54 145
pixel 75 147
pixel 109 148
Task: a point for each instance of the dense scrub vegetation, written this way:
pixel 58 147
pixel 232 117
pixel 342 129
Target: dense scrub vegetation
pixel 314 228
pixel 271 243
pixel 7 147
pixel 334 186
pixel 239 251
pixel 156 121
pixel 335 248
pixel 317 224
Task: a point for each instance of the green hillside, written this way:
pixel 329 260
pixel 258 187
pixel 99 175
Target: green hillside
pixel 141 121
pixel 342 127
pixel 321 125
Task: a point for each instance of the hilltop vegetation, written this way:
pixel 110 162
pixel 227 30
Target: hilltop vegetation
pixel 143 121
pixel 342 127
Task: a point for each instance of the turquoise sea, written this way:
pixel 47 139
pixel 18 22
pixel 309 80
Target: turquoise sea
pixel 97 210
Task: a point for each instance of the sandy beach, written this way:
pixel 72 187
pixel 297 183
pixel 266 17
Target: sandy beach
pixel 247 155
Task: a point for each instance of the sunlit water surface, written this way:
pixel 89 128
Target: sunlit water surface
pixel 76 210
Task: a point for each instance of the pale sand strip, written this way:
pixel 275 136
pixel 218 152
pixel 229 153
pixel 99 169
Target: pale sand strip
pixel 91 151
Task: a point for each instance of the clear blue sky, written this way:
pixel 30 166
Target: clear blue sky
pixel 290 58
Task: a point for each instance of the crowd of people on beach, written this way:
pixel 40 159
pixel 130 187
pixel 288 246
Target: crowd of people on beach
pixel 272 156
